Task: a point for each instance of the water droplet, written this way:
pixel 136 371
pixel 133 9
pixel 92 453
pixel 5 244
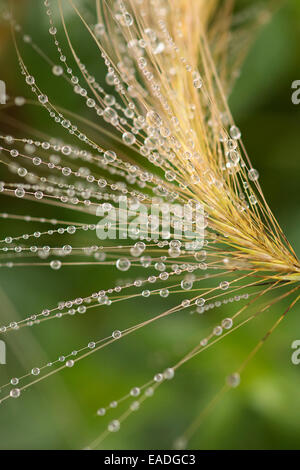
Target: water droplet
pixel 235 132
pixel 116 334
pixel 114 426
pixel 233 157
pixel 127 19
pixel 253 174
pixel 30 80
pixel 186 285
pixel 169 373
pixel 128 138
pixel 55 264
pixel 233 380
pixel 224 285
pixel 227 323
pixel 158 377
pixel 99 29
pixel 197 83
pixel 15 392
pixel 218 330
pixel 19 192
pixel 57 70
pixel 134 392
pixel 123 264
pixel 153 119
pixel 43 99
pixel 110 156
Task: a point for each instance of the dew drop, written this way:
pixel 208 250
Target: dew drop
pixel 55 264
pixel 116 334
pixel 57 70
pixel 224 285
pixel 134 392
pixel 227 323
pixel 19 192
pixel 253 174
pixel 15 392
pixel 128 138
pixel 110 156
pixel 233 380
pixel 153 119
pixel 43 99
pixel 235 132
pixel 218 330
pixel 200 302
pixel 169 373
pixel 99 29
pixel 123 264
pixel 70 363
pixel 114 426
pixel 197 83
pixel 30 80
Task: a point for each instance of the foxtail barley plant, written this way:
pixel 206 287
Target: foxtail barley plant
pixel 155 130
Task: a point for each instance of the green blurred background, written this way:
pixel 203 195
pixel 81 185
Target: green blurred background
pixel 264 412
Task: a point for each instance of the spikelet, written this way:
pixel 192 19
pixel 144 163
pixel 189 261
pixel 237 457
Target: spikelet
pixel 159 130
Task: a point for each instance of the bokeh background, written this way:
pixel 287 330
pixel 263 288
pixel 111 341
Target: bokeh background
pixel 263 412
